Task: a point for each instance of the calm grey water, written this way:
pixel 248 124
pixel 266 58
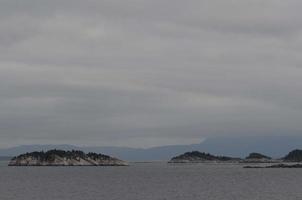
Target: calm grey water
pixel 144 181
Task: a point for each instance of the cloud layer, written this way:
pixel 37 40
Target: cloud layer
pixel 147 73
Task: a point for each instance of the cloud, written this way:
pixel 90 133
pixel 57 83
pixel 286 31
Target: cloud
pixel 143 73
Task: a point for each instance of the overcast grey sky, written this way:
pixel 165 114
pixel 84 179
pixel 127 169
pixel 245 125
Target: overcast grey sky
pixel 144 73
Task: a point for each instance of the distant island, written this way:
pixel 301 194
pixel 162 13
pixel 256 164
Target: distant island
pixel 196 156
pixel 253 158
pixel 79 158
pixel 64 158
pixel 294 156
pixel 259 158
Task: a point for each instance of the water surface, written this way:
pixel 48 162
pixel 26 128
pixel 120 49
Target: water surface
pixel 146 181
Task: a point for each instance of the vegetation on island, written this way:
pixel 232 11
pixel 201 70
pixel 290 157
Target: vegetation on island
pixel 257 156
pixel 75 157
pixel 50 155
pixel 99 156
pixel 294 156
pixel 196 155
pixel 65 158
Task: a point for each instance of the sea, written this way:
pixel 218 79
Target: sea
pixel 150 181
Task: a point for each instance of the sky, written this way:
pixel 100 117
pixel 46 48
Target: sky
pixel 142 73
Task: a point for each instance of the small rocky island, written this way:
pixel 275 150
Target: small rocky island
pixel 259 158
pixel 65 158
pixel 277 166
pixel 292 160
pixel 294 156
pixel 196 157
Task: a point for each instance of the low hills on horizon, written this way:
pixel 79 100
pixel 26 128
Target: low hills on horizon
pixel 274 147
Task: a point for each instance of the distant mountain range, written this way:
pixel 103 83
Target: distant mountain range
pixel 229 146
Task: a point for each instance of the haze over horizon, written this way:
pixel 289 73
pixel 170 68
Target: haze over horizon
pixel 148 73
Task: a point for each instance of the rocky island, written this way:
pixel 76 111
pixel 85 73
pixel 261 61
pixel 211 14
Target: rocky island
pixel 277 166
pixel 259 158
pixel 65 158
pixel 294 156
pixel 197 157
pixel 292 160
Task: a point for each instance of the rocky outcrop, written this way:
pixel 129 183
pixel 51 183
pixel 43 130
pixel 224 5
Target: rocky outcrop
pixel 277 166
pixel 65 158
pixel 196 156
pixel 294 156
pixel 258 158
